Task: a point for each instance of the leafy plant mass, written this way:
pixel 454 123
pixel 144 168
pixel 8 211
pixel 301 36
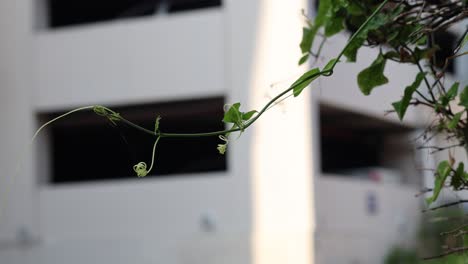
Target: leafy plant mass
pixel 403 32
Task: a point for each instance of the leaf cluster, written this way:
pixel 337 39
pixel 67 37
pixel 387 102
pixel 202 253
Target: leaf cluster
pixel 402 32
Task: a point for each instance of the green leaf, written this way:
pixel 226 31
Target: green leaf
pixel 392 55
pixel 373 75
pixel 453 91
pixel 306 42
pixel 353 46
pixel 233 115
pixel 464 97
pixel 464 42
pixel 401 106
pixel 339 4
pixel 443 170
pixel 334 22
pixel 334 25
pixel 355 9
pixel 352 49
pixel 323 13
pixel 308 34
pixel 236 117
pixel 422 41
pixel 330 65
pixel 454 122
pixel 450 95
pixel 458 178
pixel 303 59
pixel 301 83
pixel 248 115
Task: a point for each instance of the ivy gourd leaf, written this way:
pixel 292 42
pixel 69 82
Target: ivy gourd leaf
pixel 464 97
pixel 459 177
pixel 401 106
pixel 454 122
pixel 355 9
pixel 303 59
pixel 353 46
pixel 335 18
pixel 334 25
pixel 392 55
pixel 330 64
pixel 443 170
pixel 236 117
pixel 323 13
pixel 306 42
pixel 339 4
pixel 300 84
pixel 450 95
pixel 248 115
pixel 373 75
pixel 309 33
pixel 233 115
pixel 422 41
pixel 464 42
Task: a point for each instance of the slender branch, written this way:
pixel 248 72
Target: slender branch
pixel 425 80
pixel 437 148
pixel 137 126
pixel 445 205
pixel 60 117
pixel 454 230
pixel 423 191
pixel 460 42
pixel 446 253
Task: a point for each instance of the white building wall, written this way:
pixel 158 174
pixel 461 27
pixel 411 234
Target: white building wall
pixel 205 53
pixel 135 61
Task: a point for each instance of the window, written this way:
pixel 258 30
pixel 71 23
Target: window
pixel 364 147
pixel 87 147
pixel 184 5
pixel 446 41
pixel 74 12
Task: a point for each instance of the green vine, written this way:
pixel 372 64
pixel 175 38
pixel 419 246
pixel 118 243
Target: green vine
pixel 238 120
pixel 403 31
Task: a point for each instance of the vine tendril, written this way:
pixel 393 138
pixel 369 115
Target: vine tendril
pixel 140 167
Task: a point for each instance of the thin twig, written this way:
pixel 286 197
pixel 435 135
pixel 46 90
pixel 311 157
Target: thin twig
pixel 445 205
pixel 454 230
pixel 446 253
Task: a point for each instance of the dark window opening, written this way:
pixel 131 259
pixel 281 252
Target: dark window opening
pixel 87 147
pixel 65 13
pixel 446 42
pixel 74 12
pixel 365 147
pixel 185 5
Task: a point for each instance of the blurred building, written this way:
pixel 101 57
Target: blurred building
pixel 322 178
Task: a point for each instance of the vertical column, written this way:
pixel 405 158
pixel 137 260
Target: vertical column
pixel 264 38
pixel 17 220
